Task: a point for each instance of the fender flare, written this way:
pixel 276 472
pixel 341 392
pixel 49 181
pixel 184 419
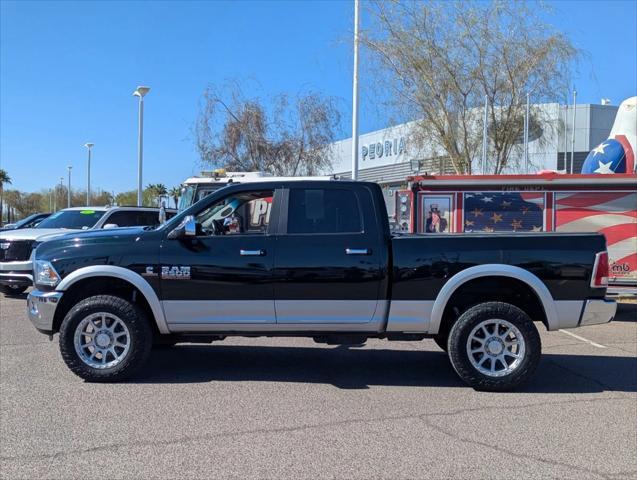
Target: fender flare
pixel 127 275
pixel 493 270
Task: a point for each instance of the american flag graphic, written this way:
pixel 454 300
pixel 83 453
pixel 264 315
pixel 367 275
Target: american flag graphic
pixel 612 213
pixel 504 212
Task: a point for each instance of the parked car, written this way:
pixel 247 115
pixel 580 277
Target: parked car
pixel 313 259
pixel 31 221
pixel 16 245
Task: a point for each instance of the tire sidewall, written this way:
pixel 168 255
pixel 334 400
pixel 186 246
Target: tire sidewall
pixel 138 328
pixel 457 346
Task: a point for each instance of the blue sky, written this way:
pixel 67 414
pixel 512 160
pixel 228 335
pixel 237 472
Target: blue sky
pixel 68 70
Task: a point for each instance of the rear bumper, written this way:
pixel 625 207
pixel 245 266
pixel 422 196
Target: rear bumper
pixel 596 312
pixel 41 308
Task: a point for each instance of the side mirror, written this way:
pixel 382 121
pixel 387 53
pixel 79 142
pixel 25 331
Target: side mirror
pixel 110 225
pixel 187 228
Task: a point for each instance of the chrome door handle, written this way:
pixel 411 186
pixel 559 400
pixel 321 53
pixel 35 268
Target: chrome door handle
pixel 252 253
pixel 358 251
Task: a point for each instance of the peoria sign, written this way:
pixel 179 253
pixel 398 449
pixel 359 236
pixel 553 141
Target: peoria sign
pixel 386 148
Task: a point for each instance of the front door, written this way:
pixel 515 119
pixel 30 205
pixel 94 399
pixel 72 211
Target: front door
pixel 223 275
pixel 328 259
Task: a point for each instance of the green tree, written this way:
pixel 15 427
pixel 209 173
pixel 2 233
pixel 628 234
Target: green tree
pixel 4 179
pixel 175 193
pixel 126 199
pixel 156 191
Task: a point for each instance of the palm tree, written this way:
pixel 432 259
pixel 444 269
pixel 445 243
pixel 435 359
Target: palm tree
pixel 4 178
pixel 157 190
pixel 175 193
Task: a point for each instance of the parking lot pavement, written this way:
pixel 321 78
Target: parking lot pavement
pixel 289 408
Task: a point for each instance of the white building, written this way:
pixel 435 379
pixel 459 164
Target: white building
pixel 388 156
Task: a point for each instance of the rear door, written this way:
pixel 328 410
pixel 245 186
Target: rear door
pixel 328 257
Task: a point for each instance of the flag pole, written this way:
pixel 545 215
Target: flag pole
pixel 355 96
pixel 526 134
pixel 484 136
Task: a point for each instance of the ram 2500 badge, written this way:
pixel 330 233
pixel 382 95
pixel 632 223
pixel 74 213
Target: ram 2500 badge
pixel 313 259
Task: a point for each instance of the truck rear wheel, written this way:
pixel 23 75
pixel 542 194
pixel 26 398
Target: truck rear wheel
pixel 105 339
pixel 494 346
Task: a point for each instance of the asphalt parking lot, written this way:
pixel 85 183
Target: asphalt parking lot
pixel 289 408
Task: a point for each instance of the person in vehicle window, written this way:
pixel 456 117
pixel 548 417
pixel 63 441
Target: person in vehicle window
pixel 232 224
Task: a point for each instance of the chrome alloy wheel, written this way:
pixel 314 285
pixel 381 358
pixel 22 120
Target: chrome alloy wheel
pixel 495 347
pixel 102 340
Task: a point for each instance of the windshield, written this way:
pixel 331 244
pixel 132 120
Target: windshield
pixel 191 194
pixel 185 199
pixel 30 221
pixel 76 219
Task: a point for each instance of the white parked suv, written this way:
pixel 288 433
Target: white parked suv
pixel 16 246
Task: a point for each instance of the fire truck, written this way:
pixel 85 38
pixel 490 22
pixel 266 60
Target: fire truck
pixel 547 202
pixel 195 188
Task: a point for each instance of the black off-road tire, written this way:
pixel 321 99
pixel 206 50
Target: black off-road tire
pixel 461 330
pixel 131 315
pixel 12 291
pixel 442 342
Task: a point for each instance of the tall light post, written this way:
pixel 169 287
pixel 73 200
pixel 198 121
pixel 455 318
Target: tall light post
pixel 140 93
pixel 68 192
pixel 355 96
pixel 573 129
pixel 88 145
pixel 61 192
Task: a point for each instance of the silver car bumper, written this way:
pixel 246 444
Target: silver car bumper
pixel 598 311
pixel 16 273
pixel 23 266
pixel 41 309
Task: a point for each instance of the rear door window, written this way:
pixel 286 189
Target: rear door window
pixel 131 218
pixel 323 211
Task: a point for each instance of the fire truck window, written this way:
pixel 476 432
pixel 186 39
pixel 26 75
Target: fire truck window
pixel 246 213
pixel 504 212
pixel 323 211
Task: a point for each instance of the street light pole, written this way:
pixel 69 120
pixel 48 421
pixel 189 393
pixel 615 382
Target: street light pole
pixel 61 191
pixel 68 193
pixel 484 134
pixel 88 174
pixel 355 96
pixel 140 93
pixel 573 129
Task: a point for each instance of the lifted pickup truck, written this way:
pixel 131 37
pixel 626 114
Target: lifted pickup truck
pixel 313 259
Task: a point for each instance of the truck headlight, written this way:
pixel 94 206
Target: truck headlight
pixel 45 274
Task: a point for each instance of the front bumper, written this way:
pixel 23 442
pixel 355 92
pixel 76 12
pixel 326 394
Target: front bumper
pixel 596 312
pixel 41 309
pixel 16 273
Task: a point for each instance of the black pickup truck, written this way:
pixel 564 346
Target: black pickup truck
pixel 313 259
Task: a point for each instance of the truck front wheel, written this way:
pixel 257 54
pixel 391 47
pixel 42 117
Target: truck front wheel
pixel 494 346
pixel 105 339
